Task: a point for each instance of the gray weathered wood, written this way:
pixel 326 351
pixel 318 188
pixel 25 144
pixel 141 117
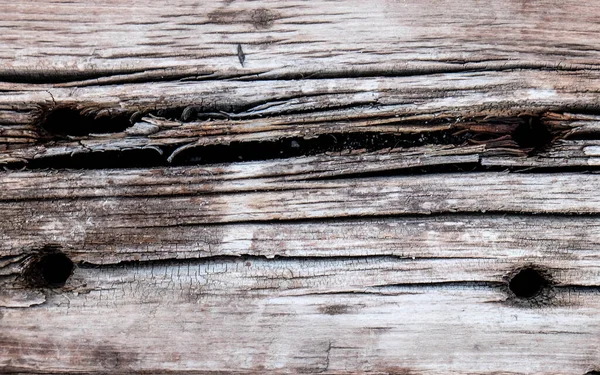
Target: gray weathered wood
pixel 109 41
pixel 360 259
pixel 390 105
pixel 186 204
pixel 274 316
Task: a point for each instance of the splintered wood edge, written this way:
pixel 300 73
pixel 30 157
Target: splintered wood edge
pixel 259 112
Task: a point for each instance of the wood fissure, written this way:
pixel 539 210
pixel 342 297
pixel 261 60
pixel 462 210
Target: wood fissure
pixel 69 146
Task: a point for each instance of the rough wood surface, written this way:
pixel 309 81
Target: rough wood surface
pixel 299 187
pixel 479 247
pixel 269 110
pixel 359 276
pixel 298 316
pixel 185 205
pixel 107 40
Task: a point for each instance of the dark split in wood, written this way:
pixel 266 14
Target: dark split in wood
pixel 241 55
pixel 522 135
pixel 64 122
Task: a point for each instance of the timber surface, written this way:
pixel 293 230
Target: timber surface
pixel 333 187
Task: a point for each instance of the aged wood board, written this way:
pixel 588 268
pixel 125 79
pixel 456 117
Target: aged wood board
pixel 333 187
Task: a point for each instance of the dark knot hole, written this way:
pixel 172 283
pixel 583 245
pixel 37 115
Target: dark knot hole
pixel 51 270
pixel 527 283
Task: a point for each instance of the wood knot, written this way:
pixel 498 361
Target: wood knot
pixel 263 18
pixel 530 286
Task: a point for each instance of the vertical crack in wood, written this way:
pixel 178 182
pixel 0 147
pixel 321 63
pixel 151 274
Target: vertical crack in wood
pixel 241 55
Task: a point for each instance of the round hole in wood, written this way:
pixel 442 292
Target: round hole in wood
pixel 527 283
pixel 54 269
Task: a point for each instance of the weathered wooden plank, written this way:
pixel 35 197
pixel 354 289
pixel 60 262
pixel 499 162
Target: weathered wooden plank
pixel 344 160
pixel 223 178
pixel 105 217
pixel 491 92
pixel 226 112
pixel 487 245
pixel 186 204
pixel 302 264
pixel 381 99
pixel 300 39
pixel 274 316
pixel 458 236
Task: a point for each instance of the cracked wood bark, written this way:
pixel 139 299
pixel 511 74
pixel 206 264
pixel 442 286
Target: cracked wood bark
pixel 319 259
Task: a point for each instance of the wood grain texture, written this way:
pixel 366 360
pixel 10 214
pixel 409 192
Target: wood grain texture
pixel 193 115
pixel 170 292
pixel 52 40
pixel 299 187
pixel 478 247
pixel 313 316
pixel 186 204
